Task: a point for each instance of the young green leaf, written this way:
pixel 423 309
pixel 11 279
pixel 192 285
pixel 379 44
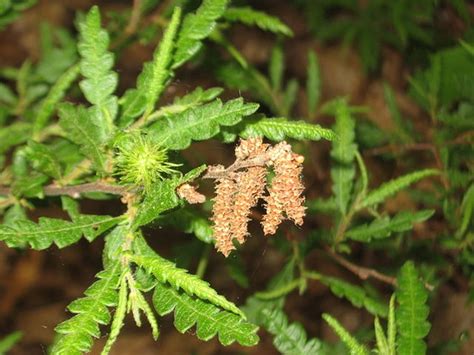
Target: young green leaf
pixel 289 339
pixel 14 134
pixel 196 27
pixel 393 186
pixel 96 66
pixel 343 154
pixel 9 341
pixel 412 311
pixel 82 128
pixel 276 67
pixel 74 336
pixel 313 83
pixel 42 158
pixel 391 327
pixel 166 272
pixel 355 348
pixel 381 339
pixel 289 97
pixel 199 123
pixel 58 231
pixel 383 227
pixel 56 93
pixel 356 295
pixel 209 319
pixel 278 129
pixel 262 20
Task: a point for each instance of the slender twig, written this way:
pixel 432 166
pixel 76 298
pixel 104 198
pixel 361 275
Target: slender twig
pixel 364 273
pixel 260 160
pixel 76 190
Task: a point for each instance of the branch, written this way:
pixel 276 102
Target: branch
pixel 364 273
pixel 76 190
pixel 218 172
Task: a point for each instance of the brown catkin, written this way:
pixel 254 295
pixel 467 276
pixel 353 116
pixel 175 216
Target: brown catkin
pixel 189 193
pixel 284 196
pixel 223 213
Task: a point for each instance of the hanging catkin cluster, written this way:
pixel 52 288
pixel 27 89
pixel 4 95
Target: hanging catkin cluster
pixel 241 185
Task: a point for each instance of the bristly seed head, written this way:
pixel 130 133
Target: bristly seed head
pixel 140 160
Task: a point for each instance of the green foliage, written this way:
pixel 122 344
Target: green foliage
pixel 166 272
pixel 75 334
pixel 343 154
pixel 252 17
pixel 91 140
pixel 383 227
pixel 209 320
pixel 96 67
pixel 43 159
pixel 355 348
pixel 290 339
pixel 10 10
pixel 6 343
pixel 356 295
pixel 200 123
pixel 313 83
pixel 196 27
pixel 58 231
pixel 278 129
pixel 412 311
pixel 393 186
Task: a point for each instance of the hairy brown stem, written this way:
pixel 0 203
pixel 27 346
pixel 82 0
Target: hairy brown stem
pixel 260 160
pixel 364 273
pixel 76 190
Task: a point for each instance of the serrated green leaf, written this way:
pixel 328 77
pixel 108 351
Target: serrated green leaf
pixel 391 187
pixel 199 123
pixel 355 348
pixel 343 154
pixel 356 295
pixel 42 158
pixel 190 221
pixel 9 341
pixel 56 93
pixel 195 28
pixel 276 67
pixel 289 339
pixel 58 231
pixel 75 335
pixel 313 83
pixel 82 129
pixel 209 319
pixel 278 129
pixel 412 311
pixel 262 20
pixel 96 67
pixel 166 272
pixel 14 134
pixel 384 227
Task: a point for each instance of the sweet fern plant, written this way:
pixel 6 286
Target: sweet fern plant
pixel 70 131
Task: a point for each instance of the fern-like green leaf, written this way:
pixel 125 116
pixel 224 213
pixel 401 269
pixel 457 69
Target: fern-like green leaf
pixel 196 27
pixel 75 335
pixel 412 311
pixel 14 134
pixel 355 348
pixel 43 159
pixel 277 67
pixel 199 123
pixel 278 129
pixel 262 20
pixel 393 186
pixel 9 341
pixel 313 83
pixel 82 128
pixel 58 231
pixel 166 272
pixel 384 227
pixel 343 154
pixel 289 339
pixel 56 93
pixel 96 67
pixel 356 295
pixel 209 319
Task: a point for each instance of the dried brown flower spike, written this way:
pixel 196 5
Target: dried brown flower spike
pixel 241 185
pixel 189 193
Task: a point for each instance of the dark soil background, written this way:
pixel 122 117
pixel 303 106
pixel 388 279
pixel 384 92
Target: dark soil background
pixel 35 287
